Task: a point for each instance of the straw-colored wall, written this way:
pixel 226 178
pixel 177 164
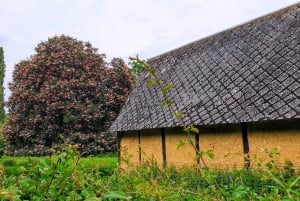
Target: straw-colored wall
pixel 182 156
pixel 227 149
pixel 129 150
pixel 287 140
pixel 151 145
pixel 225 141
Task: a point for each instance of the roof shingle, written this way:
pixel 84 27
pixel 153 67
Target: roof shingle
pixel 247 73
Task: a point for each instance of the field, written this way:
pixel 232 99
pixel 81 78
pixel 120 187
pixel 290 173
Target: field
pixel 67 176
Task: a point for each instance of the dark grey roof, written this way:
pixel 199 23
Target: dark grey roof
pixel 248 73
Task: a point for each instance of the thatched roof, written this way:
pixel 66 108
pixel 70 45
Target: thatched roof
pixel 248 73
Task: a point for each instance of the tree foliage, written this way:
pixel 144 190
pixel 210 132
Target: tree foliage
pixel 2 73
pixel 65 91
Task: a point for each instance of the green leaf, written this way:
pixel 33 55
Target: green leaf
pixel 167 88
pixel 151 82
pixel 163 104
pixel 170 86
pixel 210 154
pixel 194 129
pixel 152 71
pixel 181 144
pixel 178 115
pixel 159 82
pixel 294 182
pixel 275 151
pixel 211 177
pixel 116 195
pixel 164 92
pixel 167 102
pixel 187 129
pixel 190 129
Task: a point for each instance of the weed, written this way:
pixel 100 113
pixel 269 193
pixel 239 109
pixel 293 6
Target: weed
pixel 65 176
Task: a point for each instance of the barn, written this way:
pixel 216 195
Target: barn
pixel 240 87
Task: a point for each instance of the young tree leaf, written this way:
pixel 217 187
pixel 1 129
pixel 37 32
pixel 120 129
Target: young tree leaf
pixel 151 82
pixel 181 143
pixel 194 129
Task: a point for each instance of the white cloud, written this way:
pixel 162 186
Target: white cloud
pixel 120 28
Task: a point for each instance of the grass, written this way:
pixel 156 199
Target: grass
pixel 97 178
pixel 104 163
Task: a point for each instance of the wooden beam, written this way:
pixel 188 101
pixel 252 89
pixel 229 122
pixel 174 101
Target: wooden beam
pixel 119 138
pixel 163 142
pixel 197 145
pixel 140 147
pixel 244 128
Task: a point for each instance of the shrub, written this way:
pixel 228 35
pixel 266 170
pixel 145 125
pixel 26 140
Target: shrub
pixel 2 145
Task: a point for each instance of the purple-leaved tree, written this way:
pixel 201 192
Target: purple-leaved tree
pixel 65 92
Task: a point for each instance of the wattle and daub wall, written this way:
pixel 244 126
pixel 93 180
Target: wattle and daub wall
pixel 233 145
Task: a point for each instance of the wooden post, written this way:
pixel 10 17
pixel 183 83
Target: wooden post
pixel 245 144
pixel 119 138
pixel 163 142
pixel 140 148
pixel 197 145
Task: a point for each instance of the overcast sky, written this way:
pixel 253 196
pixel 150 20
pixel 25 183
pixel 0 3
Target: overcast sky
pixel 120 28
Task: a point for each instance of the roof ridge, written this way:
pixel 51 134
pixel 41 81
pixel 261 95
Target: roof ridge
pixel 240 26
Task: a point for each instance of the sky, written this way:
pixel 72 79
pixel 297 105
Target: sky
pixel 120 28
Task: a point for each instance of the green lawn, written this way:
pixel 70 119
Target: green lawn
pixel 105 163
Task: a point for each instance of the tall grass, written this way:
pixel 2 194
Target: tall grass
pixel 67 176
